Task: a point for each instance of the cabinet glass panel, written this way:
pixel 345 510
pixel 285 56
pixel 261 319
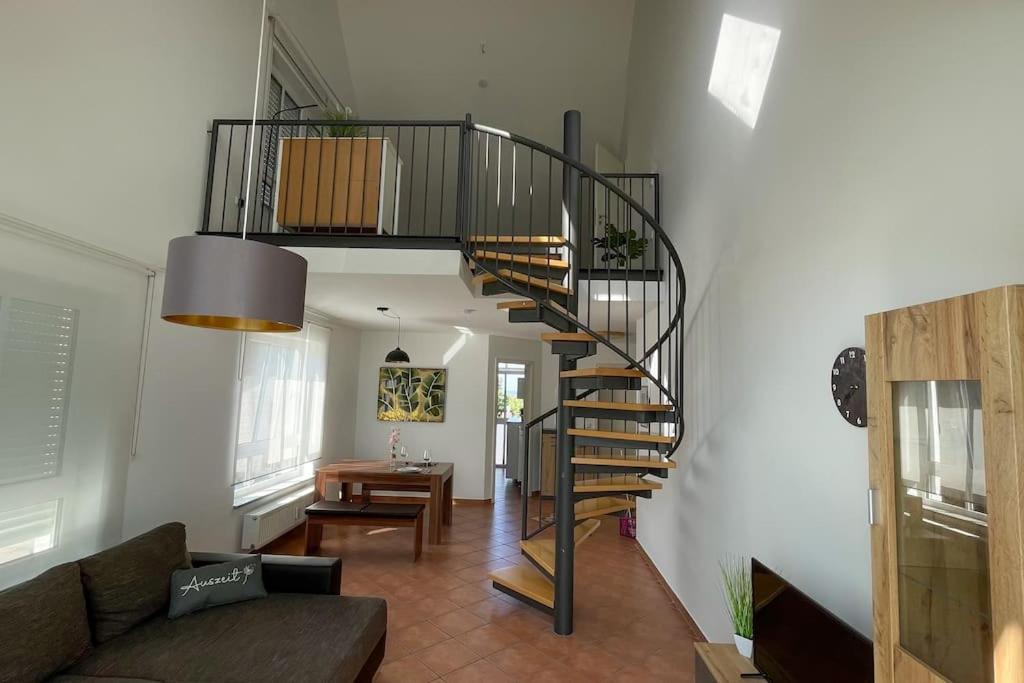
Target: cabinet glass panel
pixel 942 528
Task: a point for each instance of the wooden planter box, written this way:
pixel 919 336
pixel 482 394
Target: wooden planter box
pixel 342 185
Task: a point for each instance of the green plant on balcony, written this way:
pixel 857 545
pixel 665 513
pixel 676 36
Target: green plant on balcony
pixel 342 129
pixel 621 246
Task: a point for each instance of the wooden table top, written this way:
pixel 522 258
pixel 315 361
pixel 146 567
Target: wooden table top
pixel 382 467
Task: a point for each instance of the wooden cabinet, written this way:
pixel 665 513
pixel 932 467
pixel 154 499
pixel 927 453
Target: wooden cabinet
pixel 338 185
pixel 548 454
pixel 720 663
pixel 945 383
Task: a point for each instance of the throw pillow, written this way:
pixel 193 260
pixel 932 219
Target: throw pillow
pixel 44 627
pixel 129 583
pixel 216 584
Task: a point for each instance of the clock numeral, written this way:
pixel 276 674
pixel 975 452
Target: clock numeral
pixel 839 402
pixel 842 361
pixel 853 354
pixel 858 421
pixel 833 387
pixel 835 372
pixel 847 413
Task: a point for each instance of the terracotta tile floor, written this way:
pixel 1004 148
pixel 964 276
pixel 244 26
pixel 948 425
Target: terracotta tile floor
pixel 446 622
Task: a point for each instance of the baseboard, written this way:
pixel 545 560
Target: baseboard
pixel 698 635
pixel 473 501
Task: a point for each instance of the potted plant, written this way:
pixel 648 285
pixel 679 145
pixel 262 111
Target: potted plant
pixel 337 177
pixel 621 246
pixel 739 599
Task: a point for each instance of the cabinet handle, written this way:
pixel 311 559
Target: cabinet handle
pixel 873 507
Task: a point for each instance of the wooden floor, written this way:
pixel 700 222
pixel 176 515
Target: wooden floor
pixel 446 623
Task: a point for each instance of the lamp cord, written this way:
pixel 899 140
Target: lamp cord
pixel 255 111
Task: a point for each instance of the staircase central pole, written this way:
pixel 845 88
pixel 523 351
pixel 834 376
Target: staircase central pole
pixel 565 473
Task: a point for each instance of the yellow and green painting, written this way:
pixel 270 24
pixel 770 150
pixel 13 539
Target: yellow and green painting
pixel 411 394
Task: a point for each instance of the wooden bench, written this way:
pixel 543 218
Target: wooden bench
pixel 344 513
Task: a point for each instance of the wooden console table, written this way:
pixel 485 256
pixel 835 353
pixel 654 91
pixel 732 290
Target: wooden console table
pixel 438 480
pixel 721 663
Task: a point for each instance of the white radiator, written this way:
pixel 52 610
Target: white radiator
pixel 265 523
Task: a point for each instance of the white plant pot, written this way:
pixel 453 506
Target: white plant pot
pixel 744 645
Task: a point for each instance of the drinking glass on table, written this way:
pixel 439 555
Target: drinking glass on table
pixel 426 457
pixel 405 456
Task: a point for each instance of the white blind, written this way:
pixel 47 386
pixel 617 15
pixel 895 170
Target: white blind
pixel 28 530
pixel 281 410
pixel 36 357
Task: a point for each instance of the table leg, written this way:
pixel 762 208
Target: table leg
pixel 449 500
pixel 320 487
pixel 314 535
pixel 436 505
pixel 345 491
pixel 417 548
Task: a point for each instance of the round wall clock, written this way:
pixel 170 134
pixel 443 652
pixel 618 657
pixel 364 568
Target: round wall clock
pixel 848 386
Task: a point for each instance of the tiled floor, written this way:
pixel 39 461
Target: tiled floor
pixel 446 622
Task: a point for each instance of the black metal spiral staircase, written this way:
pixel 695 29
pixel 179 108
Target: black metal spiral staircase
pixel 579 252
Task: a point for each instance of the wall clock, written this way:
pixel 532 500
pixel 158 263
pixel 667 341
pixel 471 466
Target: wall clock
pixel 849 386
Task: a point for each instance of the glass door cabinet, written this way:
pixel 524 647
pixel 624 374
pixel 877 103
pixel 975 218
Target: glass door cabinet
pixel 945 384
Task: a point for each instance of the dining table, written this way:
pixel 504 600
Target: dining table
pixel 437 479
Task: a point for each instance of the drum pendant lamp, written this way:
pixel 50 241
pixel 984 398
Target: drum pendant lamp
pixel 226 283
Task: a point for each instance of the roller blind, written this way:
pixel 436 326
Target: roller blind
pixel 28 530
pixel 36 357
pixel 281 409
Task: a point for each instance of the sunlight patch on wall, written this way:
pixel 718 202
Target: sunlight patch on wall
pixel 743 63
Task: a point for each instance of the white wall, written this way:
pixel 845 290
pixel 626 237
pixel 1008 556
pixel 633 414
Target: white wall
pixel 107 104
pixel 184 467
pixel 110 300
pixel 884 171
pixel 541 58
pixel 462 437
pixel 106 111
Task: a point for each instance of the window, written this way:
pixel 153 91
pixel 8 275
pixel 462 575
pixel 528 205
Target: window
pixel 281 411
pixel 36 353
pixel 743 62
pixel 28 530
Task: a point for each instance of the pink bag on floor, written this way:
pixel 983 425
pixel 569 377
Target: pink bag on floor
pixel 627 526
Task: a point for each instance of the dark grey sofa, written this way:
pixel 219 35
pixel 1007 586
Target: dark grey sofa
pixel 104 618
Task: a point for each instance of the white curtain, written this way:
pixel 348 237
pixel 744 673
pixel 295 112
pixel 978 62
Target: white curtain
pixel 281 413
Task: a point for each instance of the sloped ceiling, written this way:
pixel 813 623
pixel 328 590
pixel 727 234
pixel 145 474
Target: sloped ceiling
pixel 413 59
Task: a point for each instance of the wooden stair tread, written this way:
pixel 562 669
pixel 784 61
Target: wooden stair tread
pixel 542 550
pixel 526 581
pixel 619 405
pixel 522 278
pixel 621 436
pixel 615 483
pixel 602 372
pixel 529 305
pixel 598 507
pixel 524 259
pixel 568 337
pixel 550 240
pixel 656 463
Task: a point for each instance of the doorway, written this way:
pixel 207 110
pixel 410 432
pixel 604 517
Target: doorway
pixel 513 384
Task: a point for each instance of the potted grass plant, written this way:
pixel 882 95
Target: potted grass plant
pixel 337 176
pixel 738 592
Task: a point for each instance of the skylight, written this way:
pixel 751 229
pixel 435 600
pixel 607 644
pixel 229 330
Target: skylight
pixel 743 63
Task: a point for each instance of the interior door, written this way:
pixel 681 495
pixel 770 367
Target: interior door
pixel 944 401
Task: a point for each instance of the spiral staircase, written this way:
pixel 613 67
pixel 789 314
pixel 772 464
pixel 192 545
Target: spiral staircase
pixel 637 402
pixel 557 243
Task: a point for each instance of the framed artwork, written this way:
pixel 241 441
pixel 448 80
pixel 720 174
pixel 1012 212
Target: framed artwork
pixel 411 394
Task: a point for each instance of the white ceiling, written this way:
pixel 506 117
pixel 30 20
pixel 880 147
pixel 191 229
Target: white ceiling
pixel 423 59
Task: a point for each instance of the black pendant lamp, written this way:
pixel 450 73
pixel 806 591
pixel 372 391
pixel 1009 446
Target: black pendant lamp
pixel 396 355
pixel 225 283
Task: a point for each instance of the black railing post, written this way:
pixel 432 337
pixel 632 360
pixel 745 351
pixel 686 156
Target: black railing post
pixel 211 163
pixel 570 203
pixel 565 514
pixel 462 190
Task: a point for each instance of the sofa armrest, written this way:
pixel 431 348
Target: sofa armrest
pixel 288 573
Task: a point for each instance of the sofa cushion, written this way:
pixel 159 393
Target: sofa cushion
pixel 129 583
pixel 216 584
pixel 285 637
pixel 44 627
